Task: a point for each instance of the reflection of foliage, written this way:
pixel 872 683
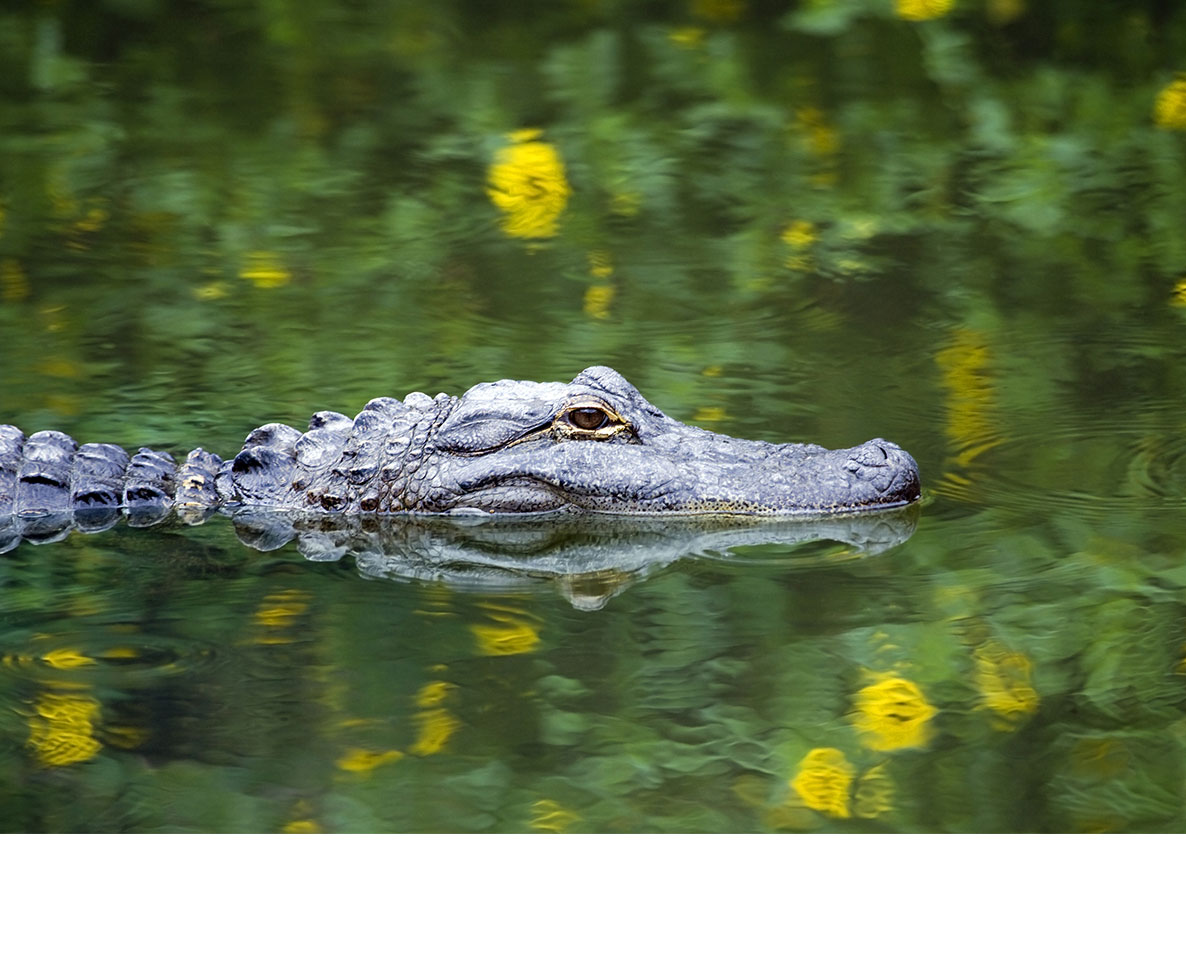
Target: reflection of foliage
pixel 734 202
pixel 353 721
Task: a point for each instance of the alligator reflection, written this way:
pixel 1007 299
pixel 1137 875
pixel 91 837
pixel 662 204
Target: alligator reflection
pixel 588 558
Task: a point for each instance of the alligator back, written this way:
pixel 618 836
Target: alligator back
pixel 365 464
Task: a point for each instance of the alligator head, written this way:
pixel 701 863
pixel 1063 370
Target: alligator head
pixel 597 445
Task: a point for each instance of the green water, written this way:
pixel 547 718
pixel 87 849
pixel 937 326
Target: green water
pixel 818 222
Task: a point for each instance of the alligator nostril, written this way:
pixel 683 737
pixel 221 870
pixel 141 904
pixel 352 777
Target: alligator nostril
pixel 868 455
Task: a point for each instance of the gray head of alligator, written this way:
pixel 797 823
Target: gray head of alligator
pixel 592 445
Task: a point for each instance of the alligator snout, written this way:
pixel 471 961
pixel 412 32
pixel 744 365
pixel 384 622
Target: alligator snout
pixel 889 470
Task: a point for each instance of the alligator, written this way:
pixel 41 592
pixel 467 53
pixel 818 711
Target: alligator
pixel 594 445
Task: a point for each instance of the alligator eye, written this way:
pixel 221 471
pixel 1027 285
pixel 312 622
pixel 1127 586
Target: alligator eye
pixel 587 419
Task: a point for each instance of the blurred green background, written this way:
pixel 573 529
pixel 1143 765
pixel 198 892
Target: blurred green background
pixel 958 224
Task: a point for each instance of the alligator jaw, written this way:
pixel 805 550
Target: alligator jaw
pixel 675 469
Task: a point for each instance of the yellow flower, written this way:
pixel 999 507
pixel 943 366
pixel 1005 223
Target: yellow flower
pixel 362 761
pixel 718 11
pixel 598 299
pixel 599 296
pixel 550 816
pixel 1003 679
pixel 1169 110
pixel 823 781
pixel 709 414
pixel 892 713
pixel 62 729
pixel 92 221
pixel 127 736
pixel 625 203
pixel 505 639
pixel 66 658
pixel 601 264
pixel 14 283
pixel 967 372
pixel 800 234
pixel 1004 11
pixel 687 36
pixel 211 291
pixel 276 614
pixel 874 795
pixel 922 9
pixel 433 694
pixel 527 182
pixel 265 271
pixel 822 138
pixel 436 727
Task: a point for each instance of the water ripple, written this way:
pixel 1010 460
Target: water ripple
pixel 1109 467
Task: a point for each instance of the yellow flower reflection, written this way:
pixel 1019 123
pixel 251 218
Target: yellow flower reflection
pixel 922 9
pixel 823 781
pixel 513 631
pixel 1003 679
pixel 527 182
pixel 892 713
pixel 67 658
pixel 434 729
pixel 363 761
pixel 718 11
pixel 265 271
pixel 62 729
pixel 14 283
pixel 821 138
pixel 550 816
pixel 690 37
pixel 277 613
pixel 1169 110
pixel 967 371
pixel 434 693
pixel 874 794
pixel 799 236
pixel 600 295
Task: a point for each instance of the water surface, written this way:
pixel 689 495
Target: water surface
pixel 818 222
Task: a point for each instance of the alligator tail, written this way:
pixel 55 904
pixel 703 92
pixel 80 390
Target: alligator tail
pixel 50 474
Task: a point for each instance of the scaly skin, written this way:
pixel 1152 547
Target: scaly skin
pixel 593 445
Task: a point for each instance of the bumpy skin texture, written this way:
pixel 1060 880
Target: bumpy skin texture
pixel 593 445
